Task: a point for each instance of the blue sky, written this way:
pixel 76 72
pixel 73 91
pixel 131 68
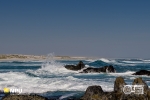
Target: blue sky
pixel 97 28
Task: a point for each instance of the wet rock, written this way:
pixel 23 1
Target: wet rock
pixel 108 69
pixel 77 67
pixel 91 70
pixel 105 69
pixel 24 97
pixel 142 72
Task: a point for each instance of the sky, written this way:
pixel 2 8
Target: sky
pixel 91 28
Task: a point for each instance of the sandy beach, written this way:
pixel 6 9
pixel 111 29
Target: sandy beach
pixel 21 57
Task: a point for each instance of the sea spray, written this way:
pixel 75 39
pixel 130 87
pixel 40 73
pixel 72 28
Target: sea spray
pixel 49 60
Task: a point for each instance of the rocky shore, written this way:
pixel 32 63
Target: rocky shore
pixel 96 92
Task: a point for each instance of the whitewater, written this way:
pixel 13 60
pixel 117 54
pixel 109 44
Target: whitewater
pixel 49 78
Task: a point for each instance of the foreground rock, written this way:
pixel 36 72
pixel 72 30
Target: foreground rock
pixel 142 72
pixel 106 69
pixel 24 97
pixel 96 92
pixel 77 67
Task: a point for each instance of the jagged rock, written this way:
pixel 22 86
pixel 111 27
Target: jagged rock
pixel 23 97
pixel 139 81
pixel 118 88
pixel 77 67
pixel 119 84
pixel 142 72
pixel 108 69
pixel 96 92
pixel 105 69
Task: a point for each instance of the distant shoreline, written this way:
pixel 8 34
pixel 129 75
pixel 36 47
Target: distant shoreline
pixel 20 57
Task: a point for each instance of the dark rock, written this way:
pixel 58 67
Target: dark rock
pixel 108 69
pixel 96 92
pixel 77 67
pixel 23 97
pixel 91 70
pixel 105 69
pixel 118 88
pixel 142 72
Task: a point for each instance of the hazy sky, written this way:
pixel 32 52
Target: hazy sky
pixel 97 28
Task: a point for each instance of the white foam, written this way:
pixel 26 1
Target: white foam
pixel 105 60
pixel 127 73
pixel 137 62
pixel 91 60
pixel 146 60
pixel 30 84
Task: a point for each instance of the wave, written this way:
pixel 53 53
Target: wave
pixel 136 62
pixel 101 59
pixel 120 62
pixel 105 60
pixel 30 84
pixel 52 76
pixel 127 73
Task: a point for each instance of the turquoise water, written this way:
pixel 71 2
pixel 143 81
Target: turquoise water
pixel 50 79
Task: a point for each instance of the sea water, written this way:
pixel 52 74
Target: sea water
pixel 50 79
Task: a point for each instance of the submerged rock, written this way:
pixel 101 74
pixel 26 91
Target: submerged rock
pixel 23 97
pixel 142 72
pixel 96 92
pixel 77 67
pixel 106 69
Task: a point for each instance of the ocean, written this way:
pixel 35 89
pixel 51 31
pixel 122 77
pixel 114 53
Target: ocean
pixel 50 79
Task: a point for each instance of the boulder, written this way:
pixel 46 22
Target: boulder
pixel 142 72
pixel 105 69
pixel 96 92
pixel 139 81
pixel 77 67
pixel 119 84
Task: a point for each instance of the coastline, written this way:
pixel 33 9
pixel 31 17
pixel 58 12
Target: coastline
pixel 20 57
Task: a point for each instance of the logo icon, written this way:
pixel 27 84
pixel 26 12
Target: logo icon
pixel 6 90
pixel 137 89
